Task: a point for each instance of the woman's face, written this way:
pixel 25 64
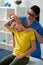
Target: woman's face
pixel 31 14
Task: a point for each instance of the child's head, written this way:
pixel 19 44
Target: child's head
pixel 12 18
pixel 15 24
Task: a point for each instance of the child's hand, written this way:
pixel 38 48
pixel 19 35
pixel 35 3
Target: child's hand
pixel 19 56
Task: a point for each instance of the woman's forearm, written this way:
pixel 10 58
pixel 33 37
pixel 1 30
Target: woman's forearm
pixel 40 39
pixel 38 36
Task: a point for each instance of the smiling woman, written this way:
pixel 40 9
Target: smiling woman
pixel 31 22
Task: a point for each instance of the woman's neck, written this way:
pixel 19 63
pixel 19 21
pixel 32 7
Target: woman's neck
pixel 30 22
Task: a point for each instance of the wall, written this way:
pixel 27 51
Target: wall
pixel 28 4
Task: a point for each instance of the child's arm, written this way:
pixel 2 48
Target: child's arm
pixel 9 24
pixel 33 43
pixel 15 17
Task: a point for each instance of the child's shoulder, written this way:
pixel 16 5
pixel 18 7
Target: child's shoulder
pixel 29 29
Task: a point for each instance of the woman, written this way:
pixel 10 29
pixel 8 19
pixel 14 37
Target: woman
pixel 31 22
pixel 21 49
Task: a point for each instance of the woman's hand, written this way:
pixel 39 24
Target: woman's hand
pixel 29 29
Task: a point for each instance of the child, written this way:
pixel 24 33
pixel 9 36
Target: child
pixel 23 41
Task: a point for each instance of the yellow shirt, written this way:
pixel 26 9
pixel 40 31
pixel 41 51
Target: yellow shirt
pixel 22 41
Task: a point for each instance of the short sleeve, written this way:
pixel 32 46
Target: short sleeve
pixel 11 31
pixel 24 20
pixel 38 28
pixel 40 31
